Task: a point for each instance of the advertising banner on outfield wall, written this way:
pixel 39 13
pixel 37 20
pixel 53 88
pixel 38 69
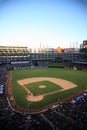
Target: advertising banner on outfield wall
pixel 19 62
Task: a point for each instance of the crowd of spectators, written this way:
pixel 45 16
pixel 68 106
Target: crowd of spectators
pixel 63 116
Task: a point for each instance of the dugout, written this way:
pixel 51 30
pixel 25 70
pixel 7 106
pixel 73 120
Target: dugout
pixel 80 65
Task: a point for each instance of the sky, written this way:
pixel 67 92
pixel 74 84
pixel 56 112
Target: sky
pixel 43 23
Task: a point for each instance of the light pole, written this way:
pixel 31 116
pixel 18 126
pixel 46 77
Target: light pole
pixel 7 59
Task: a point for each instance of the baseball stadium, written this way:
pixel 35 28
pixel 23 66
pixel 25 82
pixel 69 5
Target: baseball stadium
pixel 43 90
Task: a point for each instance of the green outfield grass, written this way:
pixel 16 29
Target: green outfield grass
pixel 75 76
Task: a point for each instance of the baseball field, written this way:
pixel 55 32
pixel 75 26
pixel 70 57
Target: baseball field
pixel 39 88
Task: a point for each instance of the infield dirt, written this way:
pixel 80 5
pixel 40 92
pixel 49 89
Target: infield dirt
pixel 34 98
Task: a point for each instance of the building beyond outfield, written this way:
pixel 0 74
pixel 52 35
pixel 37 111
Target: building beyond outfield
pixel 14 57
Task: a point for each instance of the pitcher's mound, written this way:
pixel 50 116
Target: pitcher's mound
pixel 34 98
pixel 42 86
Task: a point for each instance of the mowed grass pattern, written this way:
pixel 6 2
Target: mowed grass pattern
pixel 49 87
pixel 77 77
